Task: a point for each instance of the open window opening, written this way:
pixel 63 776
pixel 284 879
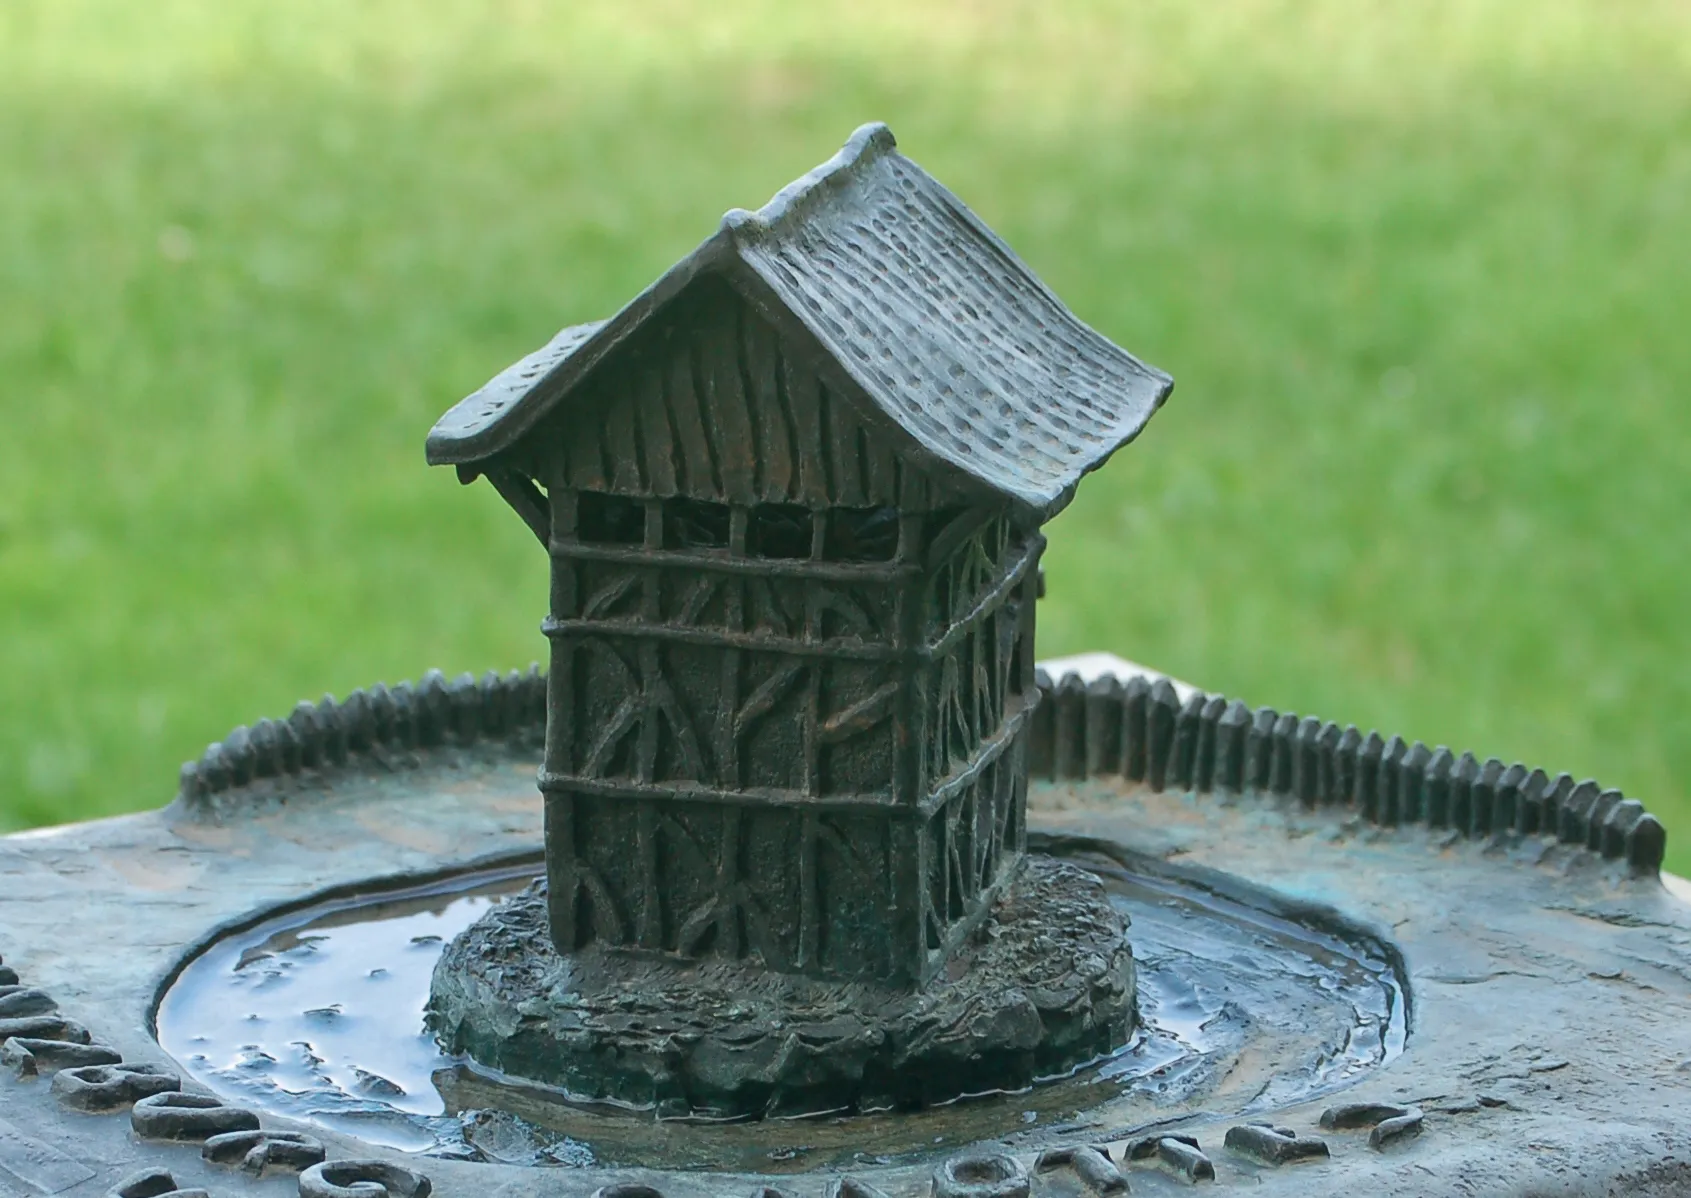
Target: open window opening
pixel 610 519
pixel 779 530
pixel 868 534
pixel 695 524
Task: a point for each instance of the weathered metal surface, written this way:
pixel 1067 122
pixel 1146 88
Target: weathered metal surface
pixel 1550 984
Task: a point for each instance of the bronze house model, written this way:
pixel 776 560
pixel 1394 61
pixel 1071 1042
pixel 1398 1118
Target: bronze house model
pixel 792 495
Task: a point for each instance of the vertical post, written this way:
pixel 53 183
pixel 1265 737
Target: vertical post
pixel 813 669
pixel 648 919
pixel 561 881
pixel 810 899
pixel 1135 724
pixel 1068 730
pixel 728 769
pixel 560 682
pixel 909 781
pixel 727 883
pixel 728 772
pixel 906 936
pixel 1103 726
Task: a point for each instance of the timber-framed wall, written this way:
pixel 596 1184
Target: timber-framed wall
pixel 821 764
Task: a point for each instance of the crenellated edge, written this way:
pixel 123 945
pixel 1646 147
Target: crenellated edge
pixel 381 726
pixel 1137 728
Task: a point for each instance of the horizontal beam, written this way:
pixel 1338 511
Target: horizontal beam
pixel 836 647
pixel 776 798
pixel 841 647
pixel 987 752
pixel 769 798
pixel 1000 591
pixel 725 563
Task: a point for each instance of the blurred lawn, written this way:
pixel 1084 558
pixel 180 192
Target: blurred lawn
pixel 1423 273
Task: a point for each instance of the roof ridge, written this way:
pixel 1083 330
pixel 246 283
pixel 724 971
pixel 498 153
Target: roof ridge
pixel 868 143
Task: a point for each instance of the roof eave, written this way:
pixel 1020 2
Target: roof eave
pixel 447 449
pixel 1045 508
pixel 1041 507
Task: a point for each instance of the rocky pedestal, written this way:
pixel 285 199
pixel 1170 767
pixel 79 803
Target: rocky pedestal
pixel 1047 984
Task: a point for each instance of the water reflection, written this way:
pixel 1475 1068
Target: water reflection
pixel 318 1015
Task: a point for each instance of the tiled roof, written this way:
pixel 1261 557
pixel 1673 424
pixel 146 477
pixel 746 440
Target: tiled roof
pixel 484 410
pixel 942 326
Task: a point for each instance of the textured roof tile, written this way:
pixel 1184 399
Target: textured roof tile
pixel 943 327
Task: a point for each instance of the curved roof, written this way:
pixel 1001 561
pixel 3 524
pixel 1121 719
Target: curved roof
pixel 945 330
pixel 484 410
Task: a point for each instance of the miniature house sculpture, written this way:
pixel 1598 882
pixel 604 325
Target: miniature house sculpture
pixel 792 496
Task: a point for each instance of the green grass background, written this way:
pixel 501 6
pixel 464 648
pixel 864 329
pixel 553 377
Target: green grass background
pixel 1422 271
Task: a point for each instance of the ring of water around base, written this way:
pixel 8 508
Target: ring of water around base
pixel 1246 1004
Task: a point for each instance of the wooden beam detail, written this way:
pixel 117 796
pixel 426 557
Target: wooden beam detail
pixel 526 499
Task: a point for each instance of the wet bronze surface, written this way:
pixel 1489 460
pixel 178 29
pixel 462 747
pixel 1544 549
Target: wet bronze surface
pixel 1548 988
pixel 319 1014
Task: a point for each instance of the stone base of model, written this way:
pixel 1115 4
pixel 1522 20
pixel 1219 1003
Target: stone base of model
pixel 1045 985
